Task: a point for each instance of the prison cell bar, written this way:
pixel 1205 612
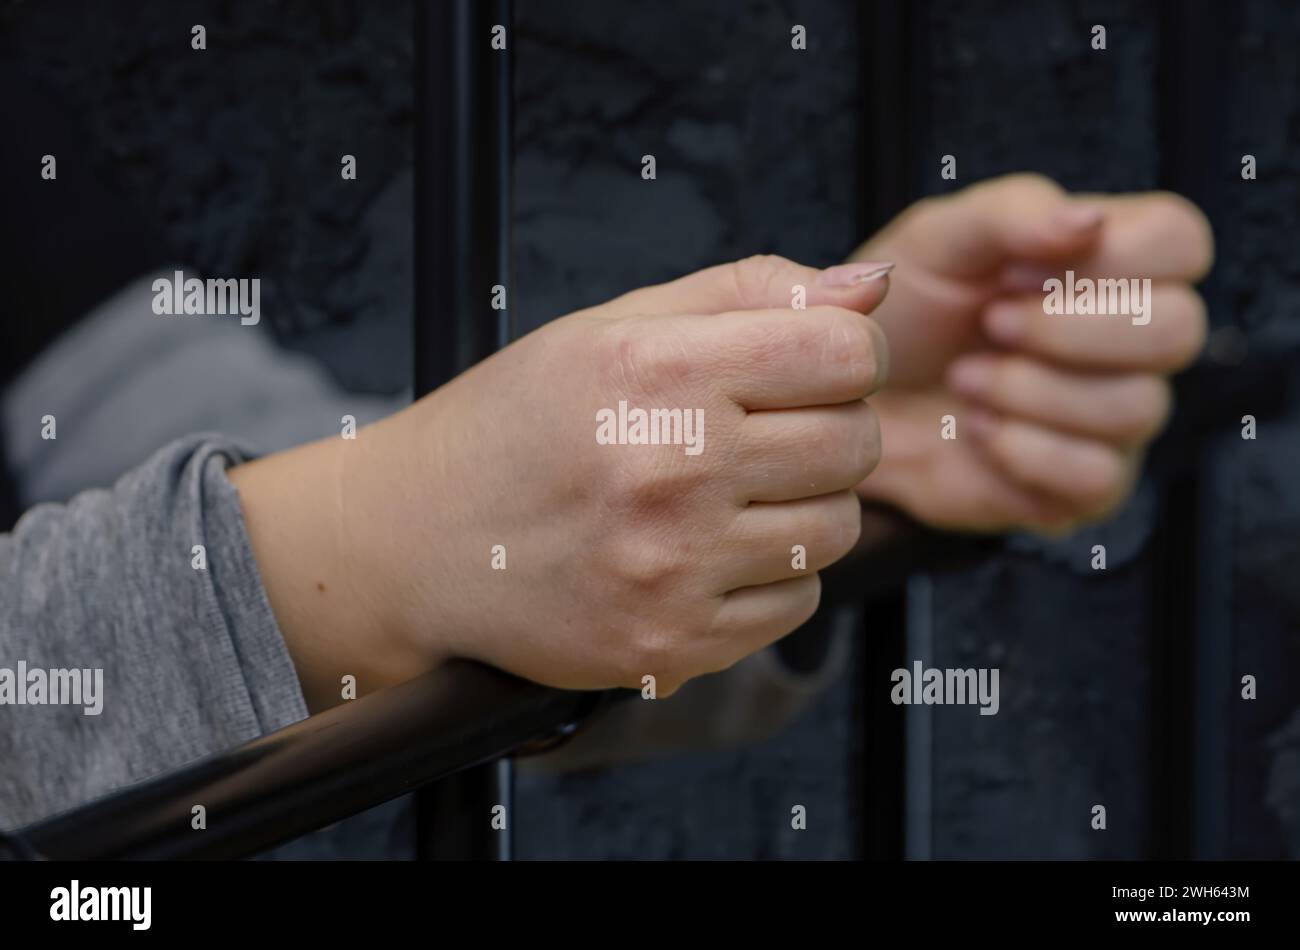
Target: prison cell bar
pixel 464 185
pixel 315 772
pixel 1191 627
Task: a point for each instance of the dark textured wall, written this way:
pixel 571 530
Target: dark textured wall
pixel 1261 553
pixel 235 157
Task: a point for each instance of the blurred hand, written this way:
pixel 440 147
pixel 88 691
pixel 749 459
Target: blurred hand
pixel 1053 412
pixel 620 560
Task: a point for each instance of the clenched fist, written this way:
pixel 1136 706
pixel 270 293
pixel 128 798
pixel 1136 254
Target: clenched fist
pixel 1053 411
pixel 644 488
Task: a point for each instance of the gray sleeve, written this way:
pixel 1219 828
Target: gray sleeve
pixel 119 659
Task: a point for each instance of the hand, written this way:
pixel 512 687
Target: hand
pixel 620 560
pixel 1053 412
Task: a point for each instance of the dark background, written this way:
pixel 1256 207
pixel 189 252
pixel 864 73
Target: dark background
pixel 1119 688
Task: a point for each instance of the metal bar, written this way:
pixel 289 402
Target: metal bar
pixel 463 202
pixel 315 772
pixel 1195 36
pixel 918 836
pixel 894 105
pixel 1188 803
pixel 462 186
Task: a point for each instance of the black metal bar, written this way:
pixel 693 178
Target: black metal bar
pixel 1188 803
pixel 463 204
pixel 316 771
pixel 462 185
pixel 893 101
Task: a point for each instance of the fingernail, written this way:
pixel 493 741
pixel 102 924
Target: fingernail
pixel 1078 217
pixel 1005 322
pixel 971 377
pixel 852 275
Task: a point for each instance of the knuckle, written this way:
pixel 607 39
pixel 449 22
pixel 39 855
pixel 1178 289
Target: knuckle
pixel 808 597
pixel 1102 483
pixel 1026 182
pixel 851 351
pixel 644 491
pixel 867 448
pixel 1147 410
pixel 756 276
pixel 1185 329
pixel 641 567
pixel 829 533
pixel 879 351
pixel 617 350
pixel 1167 212
pixel 824 438
pixel 1176 214
pixel 645 356
pixel 921 213
pixel 843 524
pixel 650 653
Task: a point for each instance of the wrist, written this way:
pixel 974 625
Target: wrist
pixel 389 544
pixel 325 583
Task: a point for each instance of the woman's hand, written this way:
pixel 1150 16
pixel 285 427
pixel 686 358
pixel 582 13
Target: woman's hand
pixel 493 520
pixel 1053 412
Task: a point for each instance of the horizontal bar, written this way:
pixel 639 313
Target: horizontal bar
pixel 317 771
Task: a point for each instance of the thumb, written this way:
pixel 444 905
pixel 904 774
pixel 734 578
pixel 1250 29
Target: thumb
pixel 1016 218
pixel 763 282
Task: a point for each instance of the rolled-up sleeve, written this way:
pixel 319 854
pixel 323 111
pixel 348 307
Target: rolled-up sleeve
pixel 152 582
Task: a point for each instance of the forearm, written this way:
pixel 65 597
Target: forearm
pixel 319 518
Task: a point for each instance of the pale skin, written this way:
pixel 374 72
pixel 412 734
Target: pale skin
pixel 1053 412
pixel 625 561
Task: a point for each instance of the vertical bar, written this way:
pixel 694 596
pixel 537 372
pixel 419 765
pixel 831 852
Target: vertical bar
pixel 463 193
pixel 1212 751
pixel 894 102
pixel 462 185
pixel 1190 763
pixel 918 841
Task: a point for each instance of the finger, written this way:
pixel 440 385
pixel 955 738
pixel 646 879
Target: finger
pixel 802 453
pixel 754 617
pixel 777 359
pixel 949 493
pixel 791 539
pixel 1158 235
pixel 760 283
pixel 973 232
pixel 1170 339
pixel 1088 477
pixel 1124 409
